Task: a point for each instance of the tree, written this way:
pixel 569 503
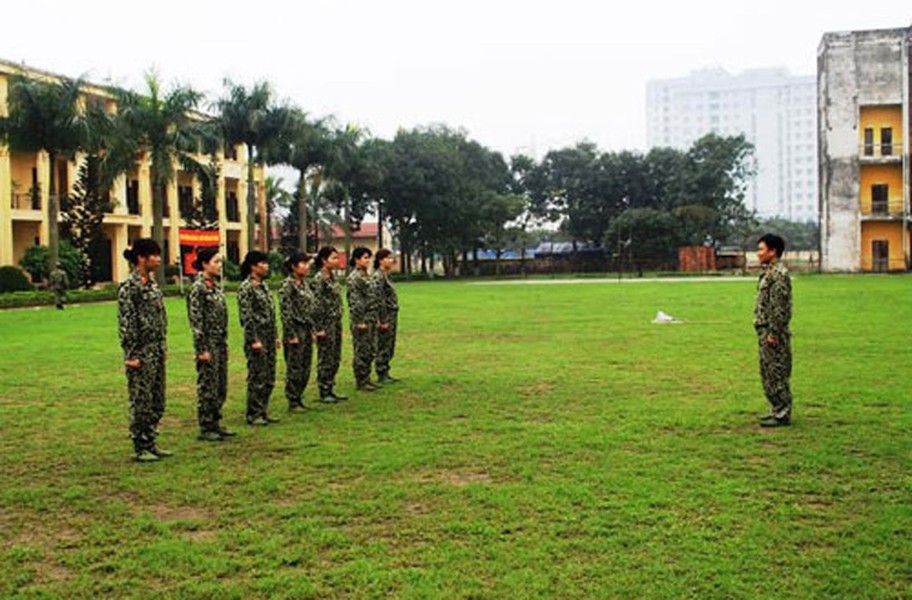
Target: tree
pixel 251 117
pixel 276 196
pixel 165 129
pixel 45 116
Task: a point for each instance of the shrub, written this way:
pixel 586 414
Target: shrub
pixel 231 271
pixel 13 280
pixel 37 261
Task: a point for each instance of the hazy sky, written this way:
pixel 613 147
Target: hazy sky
pixel 518 75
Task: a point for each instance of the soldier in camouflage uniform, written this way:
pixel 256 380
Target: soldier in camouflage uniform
pixel 143 331
pixel 297 304
pixel 387 306
pixel 208 315
pixel 257 314
pixel 771 320
pixel 327 322
pixel 362 317
pixel 60 283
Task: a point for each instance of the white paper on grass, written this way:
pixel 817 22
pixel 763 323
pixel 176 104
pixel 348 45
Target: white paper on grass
pixel 664 318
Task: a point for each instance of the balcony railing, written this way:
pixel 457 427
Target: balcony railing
pixel 880 151
pixel 25 201
pixel 880 208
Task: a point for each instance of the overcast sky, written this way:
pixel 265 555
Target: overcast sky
pixel 518 75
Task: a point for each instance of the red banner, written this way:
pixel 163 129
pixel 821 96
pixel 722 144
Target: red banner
pixel 193 239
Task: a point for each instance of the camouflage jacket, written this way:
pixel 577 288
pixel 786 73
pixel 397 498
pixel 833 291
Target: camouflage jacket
pixel 257 312
pixel 208 315
pixel 774 301
pixel 362 298
pixel 58 280
pixel 328 303
pixel 385 293
pixel 297 306
pixel 141 315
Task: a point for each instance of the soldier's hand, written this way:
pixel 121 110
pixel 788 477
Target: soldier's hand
pixel 361 326
pixel 133 363
pixel 319 335
pixel 293 341
pixel 256 347
pixel 771 341
pixel 204 357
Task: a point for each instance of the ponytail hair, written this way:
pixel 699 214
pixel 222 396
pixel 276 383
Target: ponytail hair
pixel 253 257
pixel 380 255
pixel 292 261
pixel 324 253
pixel 357 253
pixel 144 247
pixel 203 256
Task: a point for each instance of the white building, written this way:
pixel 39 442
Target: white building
pixel 775 111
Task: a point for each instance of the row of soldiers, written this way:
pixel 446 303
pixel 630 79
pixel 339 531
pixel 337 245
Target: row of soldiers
pixel 311 312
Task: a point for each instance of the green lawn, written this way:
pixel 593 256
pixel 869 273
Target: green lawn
pixel 548 441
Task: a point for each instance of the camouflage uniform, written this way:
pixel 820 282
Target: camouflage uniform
pixel 387 304
pixel 297 305
pixel 209 323
pixel 362 311
pixel 59 283
pixel 143 329
pixel 328 318
pixel 771 318
pixel 257 314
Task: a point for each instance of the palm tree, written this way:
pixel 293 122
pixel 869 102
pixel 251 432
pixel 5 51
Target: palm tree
pixel 276 196
pixel 45 116
pixel 164 128
pixel 251 118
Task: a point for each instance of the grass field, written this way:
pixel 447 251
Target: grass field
pixel 548 441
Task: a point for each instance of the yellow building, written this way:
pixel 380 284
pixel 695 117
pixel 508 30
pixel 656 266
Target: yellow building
pixel 864 100
pixel 24 194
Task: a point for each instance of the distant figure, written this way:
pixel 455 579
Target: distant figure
pixel 297 306
pixel 362 317
pixel 143 328
pixel 60 283
pixel 387 314
pixel 327 322
pixel 771 320
pixel 257 314
pixel 208 315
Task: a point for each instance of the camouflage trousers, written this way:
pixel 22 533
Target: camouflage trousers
pixel 260 378
pixel 776 372
pixel 211 388
pixel 298 358
pixel 386 347
pixel 59 297
pixel 364 343
pixel 329 353
pixel 146 389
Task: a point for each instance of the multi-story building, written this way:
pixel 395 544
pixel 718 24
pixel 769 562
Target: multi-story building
pixel 864 152
pixel 24 196
pixel 775 111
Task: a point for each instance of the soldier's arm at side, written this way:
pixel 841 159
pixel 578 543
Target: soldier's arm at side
pixel 780 307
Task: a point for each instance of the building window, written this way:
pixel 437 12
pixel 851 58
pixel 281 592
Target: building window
pixel 185 200
pixel 886 141
pixel 231 207
pixel 880 193
pixel 869 142
pixel 133 197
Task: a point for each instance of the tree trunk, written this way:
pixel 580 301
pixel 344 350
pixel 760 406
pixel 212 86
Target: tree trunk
pixel 302 213
pixel 251 200
pixel 52 211
pixel 379 225
pixel 158 230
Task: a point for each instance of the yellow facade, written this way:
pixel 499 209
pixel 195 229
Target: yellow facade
pixel 24 192
pixel 891 233
pixel 881 174
pixel 878 118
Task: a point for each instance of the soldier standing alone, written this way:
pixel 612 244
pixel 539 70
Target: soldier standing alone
pixel 143 329
pixel 772 314
pixel 208 315
pixel 59 284
pixel 257 314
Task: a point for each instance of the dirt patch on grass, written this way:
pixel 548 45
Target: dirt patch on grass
pixel 536 389
pixel 163 512
pixel 201 535
pixel 455 477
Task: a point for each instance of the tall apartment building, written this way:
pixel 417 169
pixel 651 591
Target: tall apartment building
pixel 24 196
pixel 775 111
pixel 864 151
